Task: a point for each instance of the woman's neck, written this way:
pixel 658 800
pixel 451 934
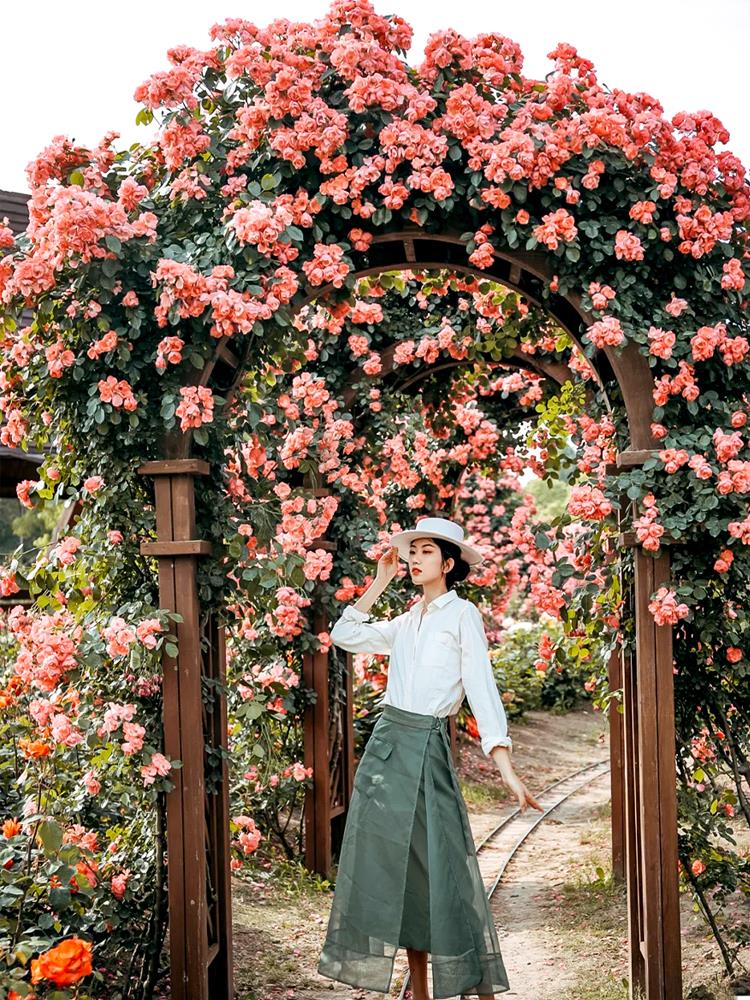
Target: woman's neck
pixel 431 591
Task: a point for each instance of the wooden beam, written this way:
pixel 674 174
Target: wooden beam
pixel 617 768
pixel 175 466
pixel 453 734
pixel 188 547
pixel 657 800
pixel 318 854
pixel 182 699
pixel 637 976
pixel 226 354
pixel 629 540
pixel 633 458
pixel 220 959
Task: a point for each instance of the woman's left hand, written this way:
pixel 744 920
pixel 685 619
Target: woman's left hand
pixel 501 756
pixel 524 796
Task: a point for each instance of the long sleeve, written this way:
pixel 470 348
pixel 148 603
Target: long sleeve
pixel 479 682
pixel 353 632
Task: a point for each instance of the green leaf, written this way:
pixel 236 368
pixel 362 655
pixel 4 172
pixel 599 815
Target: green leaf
pixel 59 898
pixel 51 836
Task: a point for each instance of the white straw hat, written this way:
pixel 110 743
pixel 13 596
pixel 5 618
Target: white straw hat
pixel 437 527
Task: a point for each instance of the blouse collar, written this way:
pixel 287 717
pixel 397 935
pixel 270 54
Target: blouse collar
pixel 436 602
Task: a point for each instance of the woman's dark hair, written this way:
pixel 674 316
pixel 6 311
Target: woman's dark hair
pixel 461 568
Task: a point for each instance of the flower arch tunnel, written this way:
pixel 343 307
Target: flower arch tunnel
pixel 642 748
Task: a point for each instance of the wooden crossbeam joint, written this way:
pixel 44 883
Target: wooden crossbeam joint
pixel 175 467
pixel 322 543
pixel 318 491
pixel 181 547
pixel 630 459
pixel 629 540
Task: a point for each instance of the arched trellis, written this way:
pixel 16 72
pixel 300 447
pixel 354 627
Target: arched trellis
pixel 197 822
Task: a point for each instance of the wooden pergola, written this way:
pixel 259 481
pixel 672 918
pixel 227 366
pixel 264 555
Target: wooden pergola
pixel 644 805
pixel 643 743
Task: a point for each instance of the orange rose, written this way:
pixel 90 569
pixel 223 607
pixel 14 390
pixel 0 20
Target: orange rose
pixel 33 748
pixel 65 964
pixel 11 827
pixel 471 727
pixel 88 870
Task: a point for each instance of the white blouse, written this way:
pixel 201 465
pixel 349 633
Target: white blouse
pixel 435 660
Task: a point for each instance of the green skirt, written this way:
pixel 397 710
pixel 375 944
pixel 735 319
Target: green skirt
pixel 408 874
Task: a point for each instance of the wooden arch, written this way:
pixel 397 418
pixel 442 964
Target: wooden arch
pixel 643 747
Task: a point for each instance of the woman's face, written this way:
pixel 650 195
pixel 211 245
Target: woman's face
pixel 425 561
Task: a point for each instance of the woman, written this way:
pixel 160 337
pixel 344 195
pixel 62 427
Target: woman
pixel 408 874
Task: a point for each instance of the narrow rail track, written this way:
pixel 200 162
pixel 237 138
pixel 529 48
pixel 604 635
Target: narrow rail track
pixel 571 783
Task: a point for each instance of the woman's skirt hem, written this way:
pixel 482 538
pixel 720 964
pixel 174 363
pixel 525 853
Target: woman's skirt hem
pixel 334 961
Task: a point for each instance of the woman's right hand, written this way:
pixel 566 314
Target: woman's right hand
pixel 387 566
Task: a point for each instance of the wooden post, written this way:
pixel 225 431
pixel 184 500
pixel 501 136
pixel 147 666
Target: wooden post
pixel 656 815
pixel 617 752
pixel 317 756
pixel 188 837
pixel 453 733
pixel 220 949
pixel 617 769
pixel 637 977
pixel 650 781
pixel 344 724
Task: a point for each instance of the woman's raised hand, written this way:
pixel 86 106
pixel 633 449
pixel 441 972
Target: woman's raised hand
pixel 387 566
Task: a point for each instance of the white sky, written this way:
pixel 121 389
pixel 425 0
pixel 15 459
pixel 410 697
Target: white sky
pixel 71 69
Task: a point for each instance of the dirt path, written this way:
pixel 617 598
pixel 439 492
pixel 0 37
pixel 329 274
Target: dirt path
pixel 561 921
pixel 542 959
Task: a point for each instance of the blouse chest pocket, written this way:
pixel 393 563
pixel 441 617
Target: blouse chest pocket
pixel 441 649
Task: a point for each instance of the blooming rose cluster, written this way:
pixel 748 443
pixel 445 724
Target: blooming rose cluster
pixel 665 607
pixel 588 503
pixel 196 406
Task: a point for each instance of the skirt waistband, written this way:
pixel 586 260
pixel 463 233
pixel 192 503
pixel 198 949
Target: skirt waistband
pixel 415 719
